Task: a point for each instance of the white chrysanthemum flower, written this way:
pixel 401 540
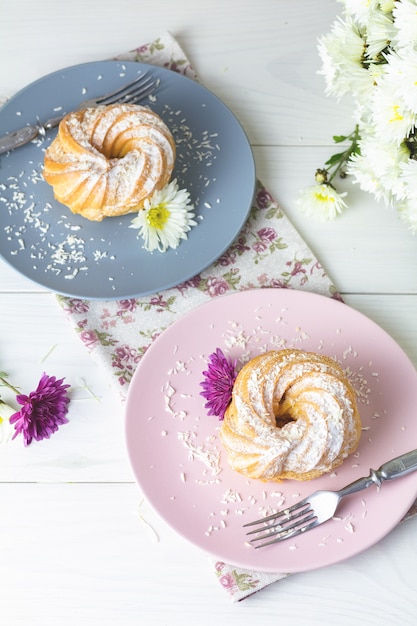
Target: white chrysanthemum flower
pixel 402 72
pixel 392 118
pixel 405 16
pixel 378 167
pixel 371 55
pixel 407 211
pixel 165 218
pixel 409 177
pixel 341 52
pixel 321 201
pixel 379 33
pixel 386 6
pixel 364 174
pixel 362 116
pixel 361 10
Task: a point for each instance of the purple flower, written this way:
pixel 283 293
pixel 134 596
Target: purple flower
pixel 89 337
pixel 126 305
pixel 77 306
pixel 260 246
pixel 216 286
pixel 263 198
pixel 43 410
pixel 142 49
pixel 267 234
pixel 218 384
pixel 189 284
pixel 228 582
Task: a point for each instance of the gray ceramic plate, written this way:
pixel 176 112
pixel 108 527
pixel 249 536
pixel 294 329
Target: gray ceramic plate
pixel 66 253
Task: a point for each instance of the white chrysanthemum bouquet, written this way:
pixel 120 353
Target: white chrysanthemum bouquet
pixel 371 54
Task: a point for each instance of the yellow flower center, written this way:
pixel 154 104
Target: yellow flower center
pixel 321 197
pixel 397 117
pixel 158 216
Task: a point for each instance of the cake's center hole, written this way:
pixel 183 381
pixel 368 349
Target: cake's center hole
pixel 284 413
pixel 283 419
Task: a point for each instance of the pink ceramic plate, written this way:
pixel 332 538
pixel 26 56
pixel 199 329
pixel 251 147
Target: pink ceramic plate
pixel 178 459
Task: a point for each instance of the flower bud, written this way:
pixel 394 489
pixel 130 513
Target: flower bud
pixel 321 176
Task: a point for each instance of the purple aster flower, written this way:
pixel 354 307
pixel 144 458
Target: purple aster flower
pixel 43 410
pixel 218 384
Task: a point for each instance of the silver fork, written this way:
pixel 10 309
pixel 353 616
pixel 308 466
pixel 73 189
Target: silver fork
pixel 130 93
pixel 320 506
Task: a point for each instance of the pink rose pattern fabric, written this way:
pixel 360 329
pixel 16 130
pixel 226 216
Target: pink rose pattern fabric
pixel 268 252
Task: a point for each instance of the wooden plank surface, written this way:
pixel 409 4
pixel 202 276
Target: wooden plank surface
pixel 78 545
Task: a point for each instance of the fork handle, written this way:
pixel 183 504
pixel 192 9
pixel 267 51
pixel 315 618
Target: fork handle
pixel 27 133
pixel 400 466
pixel 18 138
pixel 395 468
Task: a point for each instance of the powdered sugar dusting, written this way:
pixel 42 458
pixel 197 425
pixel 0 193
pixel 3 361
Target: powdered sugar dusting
pixel 324 432
pixel 207 453
pixel 35 229
pixel 219 500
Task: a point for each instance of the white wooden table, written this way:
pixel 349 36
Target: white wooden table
pixel 74 549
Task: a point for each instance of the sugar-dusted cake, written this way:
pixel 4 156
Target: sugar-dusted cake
pixel 293 414
pixel 107 161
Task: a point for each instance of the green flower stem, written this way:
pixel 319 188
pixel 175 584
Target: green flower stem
pixel 336 163
pixel 5 383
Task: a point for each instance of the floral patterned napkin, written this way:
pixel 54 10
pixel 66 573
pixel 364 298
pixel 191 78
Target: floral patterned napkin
pixel 268 252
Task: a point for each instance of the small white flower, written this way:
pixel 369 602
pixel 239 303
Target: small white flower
pixel 321 201
pixel 407 210
pixel 165 218
pixel 370 54
pixel 364 174
pixel 380 31
pixel 392 118
pixel 341 52
pixel 361 10
pixel 378 167
pixel 405 15
pixel 387 5
pixel 402 71
pixel 409 177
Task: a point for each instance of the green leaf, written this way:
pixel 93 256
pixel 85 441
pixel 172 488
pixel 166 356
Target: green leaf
pixel 336 158
pixel 274 211
pixel 339 138
pixel 105 338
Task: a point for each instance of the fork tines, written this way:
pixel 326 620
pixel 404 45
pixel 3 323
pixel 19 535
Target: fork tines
pixel 282 525
pixel 142 86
